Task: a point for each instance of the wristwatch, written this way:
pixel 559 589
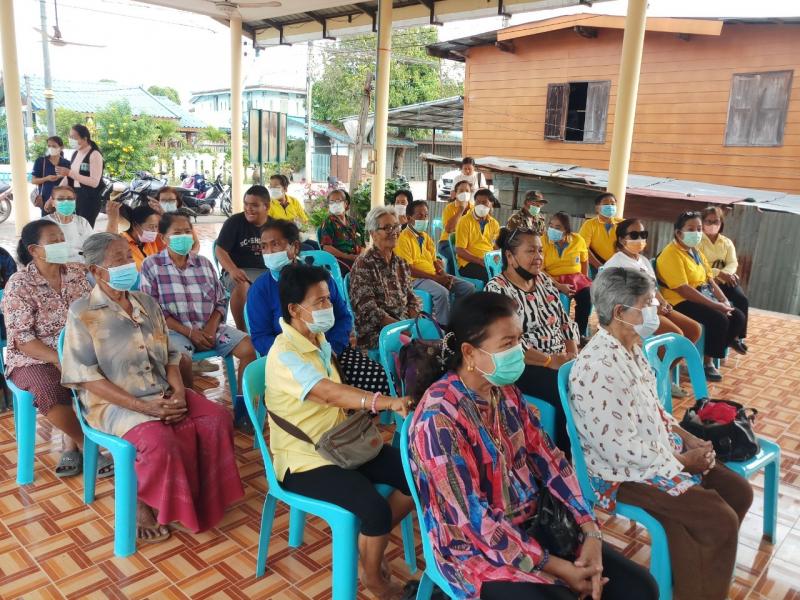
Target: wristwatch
pixel 593 534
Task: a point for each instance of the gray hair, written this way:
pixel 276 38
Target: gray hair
pixel 95 246
pixel 374 215
pixel 614 286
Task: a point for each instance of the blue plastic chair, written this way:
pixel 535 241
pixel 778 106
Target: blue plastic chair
pixel 432 575
pixel 389 345
pixel 547 414
pixel 320 258
pixel 426 300
pixel 124 455
pixel 660 564
pixel 436 230
pixel 343 523
pixel 493 263
pixel 476 282
pixel 677 347
pixel 25 430
pixel 230 368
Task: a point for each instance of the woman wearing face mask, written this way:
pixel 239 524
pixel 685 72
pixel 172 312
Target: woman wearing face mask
pixel 402 198
pixel 721 255
pixel 687 283
pixel 480 458
pixel 549 337
pixel 305 389
pixel 194 303
pixel 44 171
pixel 459 206
pixel 142 233
pixel 35 305
pixel 598 232
pixel 341 234
pixel 282 205
pixel 566 261
pixel 116 354
pixel 76 229
pixel 635 451
pixel 85 172
pixel 476 234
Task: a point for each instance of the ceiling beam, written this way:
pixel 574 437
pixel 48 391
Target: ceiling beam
pixel 369 11
pixel 279 26
pixel 322 21
pixel 430 5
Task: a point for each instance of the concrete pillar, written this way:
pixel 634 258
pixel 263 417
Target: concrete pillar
pixel 627 92
pixel 237 168
pixel 382 100
pixel 16 130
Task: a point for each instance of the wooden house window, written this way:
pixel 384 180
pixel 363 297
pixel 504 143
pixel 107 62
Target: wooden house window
pixel 577 111
pixel 757 108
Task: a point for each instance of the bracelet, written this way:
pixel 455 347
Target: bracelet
pixel 548 361
pixel 593 534
pixel 363 402
pixel 374 403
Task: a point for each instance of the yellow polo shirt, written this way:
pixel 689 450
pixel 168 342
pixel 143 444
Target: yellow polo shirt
pixel 448 213
pixel 568 262
pixel 470 237
pixel 293 211
pixel 600 239
pixel 676 267
pixel 294 367
pixel 417 250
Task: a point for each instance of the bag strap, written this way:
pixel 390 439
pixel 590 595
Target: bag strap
pixel 292 430
pixel 426 316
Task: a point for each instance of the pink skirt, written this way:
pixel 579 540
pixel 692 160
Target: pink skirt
pixel 187 471
pixel 578 280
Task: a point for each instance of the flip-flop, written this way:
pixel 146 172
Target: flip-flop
pixel 151 540
pixel 104 461
pixel 70 464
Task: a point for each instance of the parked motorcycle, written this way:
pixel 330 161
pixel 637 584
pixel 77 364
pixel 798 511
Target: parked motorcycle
pixel 221 192
pixel 6 198
pixel 144 186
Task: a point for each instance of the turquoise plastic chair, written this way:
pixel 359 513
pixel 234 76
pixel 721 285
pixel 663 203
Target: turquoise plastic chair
pixel 426 299
pixel 493 263
pixel 124 455
pixel 677 347
pixel 230 368
pixel 25 430
pixel 436 230
pixel 389 345
pixel 547 414
pixel 660 564
pixel 320 258
pixel 343 524
pixel 476 282
pixel 432 575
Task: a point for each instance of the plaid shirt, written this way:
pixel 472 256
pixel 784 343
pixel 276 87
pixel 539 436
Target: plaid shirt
pixel 190 295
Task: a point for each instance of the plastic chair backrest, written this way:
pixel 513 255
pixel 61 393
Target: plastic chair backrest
pixel 578 460
pixel 320 258
pixel 431 567
pixel 389 345
pixel 253 382
pixel 452 239
pixel 436 230
pixel 675 347
pixel 214 256
pixel 493 263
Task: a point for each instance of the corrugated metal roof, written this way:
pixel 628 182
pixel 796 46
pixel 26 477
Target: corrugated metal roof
pixel 340 136
pixel 445 114
pixel 187 120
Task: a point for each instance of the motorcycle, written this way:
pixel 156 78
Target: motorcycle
pixel 6 198
pixel 143 187
pixel 222 192
pixel 114 190
pixel 193 194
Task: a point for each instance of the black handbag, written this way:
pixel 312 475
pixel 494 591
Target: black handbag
pixel 554 527
pixel 734 441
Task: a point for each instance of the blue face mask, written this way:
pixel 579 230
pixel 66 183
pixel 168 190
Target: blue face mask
pixel 169 206
pixel 508 365
pixel 56 254
pixel 65 207
pixel 692 238
pixel 276 261
pixel 608 210
pixel 420 224
pixel 323 319
pixel 554 235
pixel 181 243
pixel 123 277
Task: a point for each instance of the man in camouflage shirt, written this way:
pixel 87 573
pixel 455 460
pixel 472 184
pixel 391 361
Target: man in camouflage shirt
pixel 529 217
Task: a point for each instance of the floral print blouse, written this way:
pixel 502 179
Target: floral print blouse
pixel 34 310
pixel 102 341
pixel 347 237
pixel 478 485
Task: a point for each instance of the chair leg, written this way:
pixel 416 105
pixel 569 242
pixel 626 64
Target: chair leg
pixel 230 369
pixel 125 489
pixel 267 516
pixel 425 588
pixel 772 473
pixel 25 423
pixel 297 525
pixel 660 564
pixel 345 559
pixel 409 549
pixel 90 469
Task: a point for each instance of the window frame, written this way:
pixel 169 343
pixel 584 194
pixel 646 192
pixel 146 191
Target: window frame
pixel 782 119
pixel 564 110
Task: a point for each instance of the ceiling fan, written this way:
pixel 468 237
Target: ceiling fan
pixel 57 40
pixel 230 8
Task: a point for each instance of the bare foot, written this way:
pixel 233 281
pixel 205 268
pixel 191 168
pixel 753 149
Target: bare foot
pixel 383 589
pixel 147 528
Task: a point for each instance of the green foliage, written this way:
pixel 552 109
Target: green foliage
pixel 415 76
pixel 212 135
pixel 167 91
pixel 296 154
pixel 128 143
pixel 65 119
pixel 362 197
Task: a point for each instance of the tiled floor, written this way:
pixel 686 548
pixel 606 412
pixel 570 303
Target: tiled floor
pixel 54 546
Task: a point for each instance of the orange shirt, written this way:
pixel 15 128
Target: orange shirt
pixel 148 249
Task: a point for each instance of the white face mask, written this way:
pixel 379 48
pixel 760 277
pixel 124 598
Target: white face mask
pixel 463 196
pixel 482 211
pixel 650 321
pixel 336 208
pixel 275 193
pixel 322 319
pixel 73 143
pixel 53 151
pixel 148 237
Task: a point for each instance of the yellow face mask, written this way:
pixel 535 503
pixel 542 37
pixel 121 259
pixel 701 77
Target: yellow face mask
pixel 636 246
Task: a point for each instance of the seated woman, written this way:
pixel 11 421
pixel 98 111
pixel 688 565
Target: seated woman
pixel 549 336
pixel 304 387
pixel 341 234
pixel 566 261
pixel 75 228
pixel 168 199
pixel 476 234
pixel 186 287
pixel 637 453
pixel 401 200
pixel 480 459
pixel 116 353
pixel 35 305
pixel 599 232
pixel 688 284
pixel 721 255
pixel 416 247
pixel 142 232
pixel 381 291
pixel 459 205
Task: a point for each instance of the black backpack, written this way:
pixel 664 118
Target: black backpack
pixel 734 441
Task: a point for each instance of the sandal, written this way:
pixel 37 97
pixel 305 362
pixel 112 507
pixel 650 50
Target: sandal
pixel 70 464
pixel 163 534
pixel 105 466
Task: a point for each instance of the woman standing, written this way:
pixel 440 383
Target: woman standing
pixel 85 173
pixel 44 171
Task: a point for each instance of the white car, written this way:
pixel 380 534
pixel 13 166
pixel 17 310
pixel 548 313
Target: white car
pixel 445 184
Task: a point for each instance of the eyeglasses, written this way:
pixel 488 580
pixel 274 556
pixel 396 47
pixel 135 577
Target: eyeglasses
pixel 390 229
pixel 638 235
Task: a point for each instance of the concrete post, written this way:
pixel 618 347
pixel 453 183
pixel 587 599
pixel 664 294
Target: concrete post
pixel 237 169
pixel 382 100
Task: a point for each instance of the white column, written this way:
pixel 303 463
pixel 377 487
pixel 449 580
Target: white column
pixel 382 100
pixel 16 130
pixel 627 92
pixel 237 170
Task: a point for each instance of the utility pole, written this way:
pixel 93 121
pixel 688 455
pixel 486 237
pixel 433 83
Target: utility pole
pixel 309 130
pixel 355 170
pixel 48 80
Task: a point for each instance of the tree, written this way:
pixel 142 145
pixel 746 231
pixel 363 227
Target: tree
pixel 65 119
pixel 128 143
pixel 167 91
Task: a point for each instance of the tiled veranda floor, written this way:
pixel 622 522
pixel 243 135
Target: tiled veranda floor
pixel 54 546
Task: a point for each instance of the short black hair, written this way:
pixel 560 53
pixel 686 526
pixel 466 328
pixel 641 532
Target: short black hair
pixel 687 216
pixel 259 191
pixel 31 235
pixel 600 197
pixel 485 192
pixel 136 216
pixel 413 205
pixel 343 192
pixel 288 230
pixel 622 230
pixel 467 160
pixel 167 219
pixel 403 192
pixel 508 240
pixel 282 178
pixel 294 284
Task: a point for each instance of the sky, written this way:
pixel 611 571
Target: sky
pixel 148 45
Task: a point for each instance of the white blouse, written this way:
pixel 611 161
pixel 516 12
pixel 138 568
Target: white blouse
pixel 625 433
pixel 620 259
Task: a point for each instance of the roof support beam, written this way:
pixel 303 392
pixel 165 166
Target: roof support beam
pixel 501 9
pixel 369 11
pixel 430 5
pixel 322 21
pixel 281 39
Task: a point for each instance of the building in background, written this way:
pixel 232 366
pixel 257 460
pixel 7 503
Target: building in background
pixel 214 106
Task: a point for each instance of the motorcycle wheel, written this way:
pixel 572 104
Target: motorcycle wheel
pixel 5 209
pixel 225 205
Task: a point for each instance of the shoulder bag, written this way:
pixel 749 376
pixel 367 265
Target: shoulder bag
pixel 554 527
pixel 730 431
